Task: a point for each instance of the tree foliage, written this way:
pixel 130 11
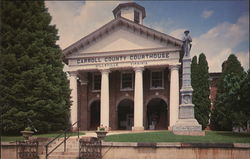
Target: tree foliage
pixel 32 84
pixel 231 105
pixel 200 84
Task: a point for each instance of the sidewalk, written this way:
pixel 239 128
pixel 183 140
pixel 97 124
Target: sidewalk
pixel 93 134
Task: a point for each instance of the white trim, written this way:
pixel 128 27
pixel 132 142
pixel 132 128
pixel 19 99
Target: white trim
pixel 93 82
pixel 162 72
pixel 124 52
pixel 126 89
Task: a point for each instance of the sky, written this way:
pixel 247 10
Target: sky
pixel 218 28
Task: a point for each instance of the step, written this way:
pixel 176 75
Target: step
pixel 60 156
pixel 71 145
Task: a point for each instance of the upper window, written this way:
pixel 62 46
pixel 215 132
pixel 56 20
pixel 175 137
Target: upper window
pixel 136 17
pixel 126 80
pixel 157 79
pixel 96 82
pixel 118 14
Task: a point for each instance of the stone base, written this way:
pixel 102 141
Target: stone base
pixel 137 128
pixel 188 127
pixel 190 133
pixel 170 128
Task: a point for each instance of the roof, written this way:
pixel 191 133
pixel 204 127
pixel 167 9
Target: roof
pixel 215 74
pixel 85 41
pixel 130 4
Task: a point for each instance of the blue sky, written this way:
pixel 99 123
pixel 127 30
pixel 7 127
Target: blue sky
pixel 188 14
pixel 218 28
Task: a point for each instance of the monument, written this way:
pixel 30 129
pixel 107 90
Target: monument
pixel 186 123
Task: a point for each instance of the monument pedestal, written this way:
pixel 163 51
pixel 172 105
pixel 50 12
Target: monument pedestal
pixel 188 127
pixel 187 124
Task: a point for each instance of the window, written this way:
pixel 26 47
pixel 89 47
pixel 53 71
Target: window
pixel 127 81
pixel 118 14
pixel 156 79
pixel 136 17
pixel 96 82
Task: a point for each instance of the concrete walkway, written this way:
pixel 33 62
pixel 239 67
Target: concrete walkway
pixel 93 134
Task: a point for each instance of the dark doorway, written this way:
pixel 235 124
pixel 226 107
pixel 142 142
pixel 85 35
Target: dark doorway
pixel 125 114
pixel 95 115
pixel 157 114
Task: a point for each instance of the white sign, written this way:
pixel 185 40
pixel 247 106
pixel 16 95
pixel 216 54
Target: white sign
pixel 124 58
pixel 123 61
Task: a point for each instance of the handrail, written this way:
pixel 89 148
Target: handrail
pixel 64 140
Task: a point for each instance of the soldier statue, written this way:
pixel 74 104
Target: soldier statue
pixel 187 43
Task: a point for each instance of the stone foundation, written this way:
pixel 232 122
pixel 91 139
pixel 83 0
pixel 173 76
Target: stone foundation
pixel 188 127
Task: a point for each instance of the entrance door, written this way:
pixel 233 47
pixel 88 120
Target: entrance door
pixel 125 114
pixel 95 115
pixel 157 114
pixel 129 121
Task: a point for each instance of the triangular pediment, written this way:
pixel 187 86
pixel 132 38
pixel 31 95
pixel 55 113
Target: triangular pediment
pixel 123 39
pixel 122 34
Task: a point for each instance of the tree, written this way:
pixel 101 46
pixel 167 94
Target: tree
pixel 242 115
pixel 236 102
pixel 200 84
pixel 33 85
pixel 228 109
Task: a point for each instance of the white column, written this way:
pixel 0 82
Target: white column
pixel 73 87
pixel 138 100
pixel 174 95
pixel 105 98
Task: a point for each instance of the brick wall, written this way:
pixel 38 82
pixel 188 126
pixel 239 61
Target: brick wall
pixel 86 96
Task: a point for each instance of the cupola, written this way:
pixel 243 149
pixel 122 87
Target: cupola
pixel 131 11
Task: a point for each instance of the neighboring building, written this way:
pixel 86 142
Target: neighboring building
pixel 213 78
pixel 125 75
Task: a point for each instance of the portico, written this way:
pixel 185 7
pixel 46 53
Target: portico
pixel 124 60
pixel 138 95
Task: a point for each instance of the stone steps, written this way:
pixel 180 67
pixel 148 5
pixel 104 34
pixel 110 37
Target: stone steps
pixel 72 150
pixel 61 156
pixel 71 145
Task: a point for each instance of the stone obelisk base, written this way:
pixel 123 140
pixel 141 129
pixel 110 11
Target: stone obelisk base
pixel 188 127
pixel 187 124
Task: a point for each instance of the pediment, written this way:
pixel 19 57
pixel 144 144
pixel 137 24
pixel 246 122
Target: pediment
pixel 123 39
pixel 121 34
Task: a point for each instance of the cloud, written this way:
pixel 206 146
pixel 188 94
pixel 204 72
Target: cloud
pixel 75 20
pixel 222 40
pixel 207 13
pixel 162 25
pixel 178 33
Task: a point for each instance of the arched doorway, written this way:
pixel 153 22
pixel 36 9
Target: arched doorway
pixel 157 114
pixel 125 114
pixel 94 115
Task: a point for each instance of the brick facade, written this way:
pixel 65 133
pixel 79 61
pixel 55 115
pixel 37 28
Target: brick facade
pixel 86 96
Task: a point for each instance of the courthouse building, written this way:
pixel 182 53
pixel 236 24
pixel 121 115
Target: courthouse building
pixel 125 75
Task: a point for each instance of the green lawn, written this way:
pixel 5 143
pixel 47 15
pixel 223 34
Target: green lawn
pixel 50 135
pixel 167 136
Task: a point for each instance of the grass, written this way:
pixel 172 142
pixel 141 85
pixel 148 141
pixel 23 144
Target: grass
pixel 167 136
pixel 50 135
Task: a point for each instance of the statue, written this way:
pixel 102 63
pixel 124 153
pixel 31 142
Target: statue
pixel 187 43
pixel 186 123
